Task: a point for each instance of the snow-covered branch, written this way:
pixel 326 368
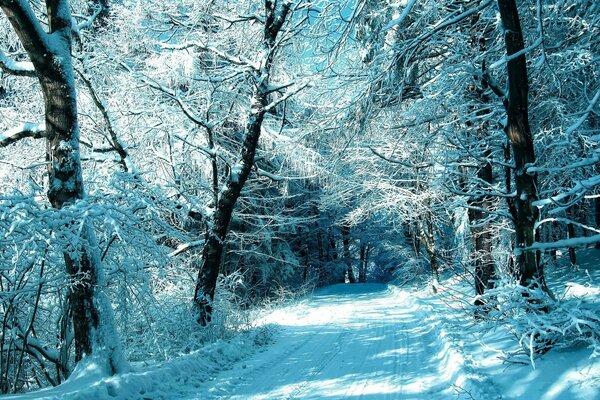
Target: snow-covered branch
pixel 507 58
pixel 573 242
pixel 182 248
pixel 585 115
pixel 579 188
pixel 394 23
pixel 283 98
pixel 19 68
pixel 26 130
pixel 241 61
pixel 400 162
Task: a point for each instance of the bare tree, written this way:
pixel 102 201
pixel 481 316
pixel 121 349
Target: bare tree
pixel 213 251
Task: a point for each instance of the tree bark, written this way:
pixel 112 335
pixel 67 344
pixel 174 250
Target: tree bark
pixel 519 135
pixel 597 216
pixel 571 214
pixel 362 272
pixel 482 237
pixel 212 254
pixel 345 230
pixel 50 53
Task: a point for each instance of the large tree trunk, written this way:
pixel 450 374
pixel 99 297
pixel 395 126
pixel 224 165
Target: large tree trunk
pixel 93 323
pixel 212 255
pixel 521 141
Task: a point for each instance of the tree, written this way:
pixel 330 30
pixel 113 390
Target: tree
pixel 518 131
pixel 213 251
pixel 50 55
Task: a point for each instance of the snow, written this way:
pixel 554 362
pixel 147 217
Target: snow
pixel 364 341
pixel 397 21
pixel 28 128
pixel 15 66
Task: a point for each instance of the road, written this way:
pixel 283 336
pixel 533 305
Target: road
pixel 348 342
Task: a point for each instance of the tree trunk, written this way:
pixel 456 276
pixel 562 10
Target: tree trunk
pixel 521 141
pixel 362 272
pixel 597 216
pixel 482 237
pixel 93 322
pixel 345 229
pixel 571 234
pixel 212 254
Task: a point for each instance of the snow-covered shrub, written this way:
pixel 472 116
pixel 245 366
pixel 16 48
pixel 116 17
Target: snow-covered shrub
pixel 540 322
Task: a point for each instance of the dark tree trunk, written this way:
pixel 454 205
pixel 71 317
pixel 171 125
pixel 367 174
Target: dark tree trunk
pixel 519 135
pixel 91 312
pixel 362 272
pixel 333 256
pixel 362 258
pixel 427 236
pixel 482 237
pixel 481 205
pixel 212 254
pixel 570 235
pixel 597 216
pixel 345 230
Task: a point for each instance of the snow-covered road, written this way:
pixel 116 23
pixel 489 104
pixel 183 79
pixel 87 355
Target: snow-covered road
pixel 348 342
pixel 356 341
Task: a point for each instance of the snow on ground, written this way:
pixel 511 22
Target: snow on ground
pixel 174 379
pixel 352 342
pixel 366 342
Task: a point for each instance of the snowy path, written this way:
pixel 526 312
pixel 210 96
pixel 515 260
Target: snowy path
pixel 347 342
pixel 367 342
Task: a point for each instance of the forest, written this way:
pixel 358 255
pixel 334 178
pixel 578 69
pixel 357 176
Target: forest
pixel 173 171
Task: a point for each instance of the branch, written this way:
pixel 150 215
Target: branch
pixel 400 162
pixel 33 37
pixel 586 113
pixel 242 61
pixel 18 68
pixel 173 95
pixel 186 246
pixel 573 242
pixel 283 98
pixel 273 177
pixel 115 141
pixel 88 21
pixel 26 130
pixel 241 18
pixel 392 24
pixel 576 193
pixel 505 59
pixel 586 162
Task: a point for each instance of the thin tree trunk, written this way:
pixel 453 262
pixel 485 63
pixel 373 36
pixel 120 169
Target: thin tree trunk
pixel 570 235
pixel 597 216
pixel 345 230
pixel 482 237
pixel 212 254
pixel 362 272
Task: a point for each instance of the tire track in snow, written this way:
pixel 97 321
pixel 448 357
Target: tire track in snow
pixel 349 342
